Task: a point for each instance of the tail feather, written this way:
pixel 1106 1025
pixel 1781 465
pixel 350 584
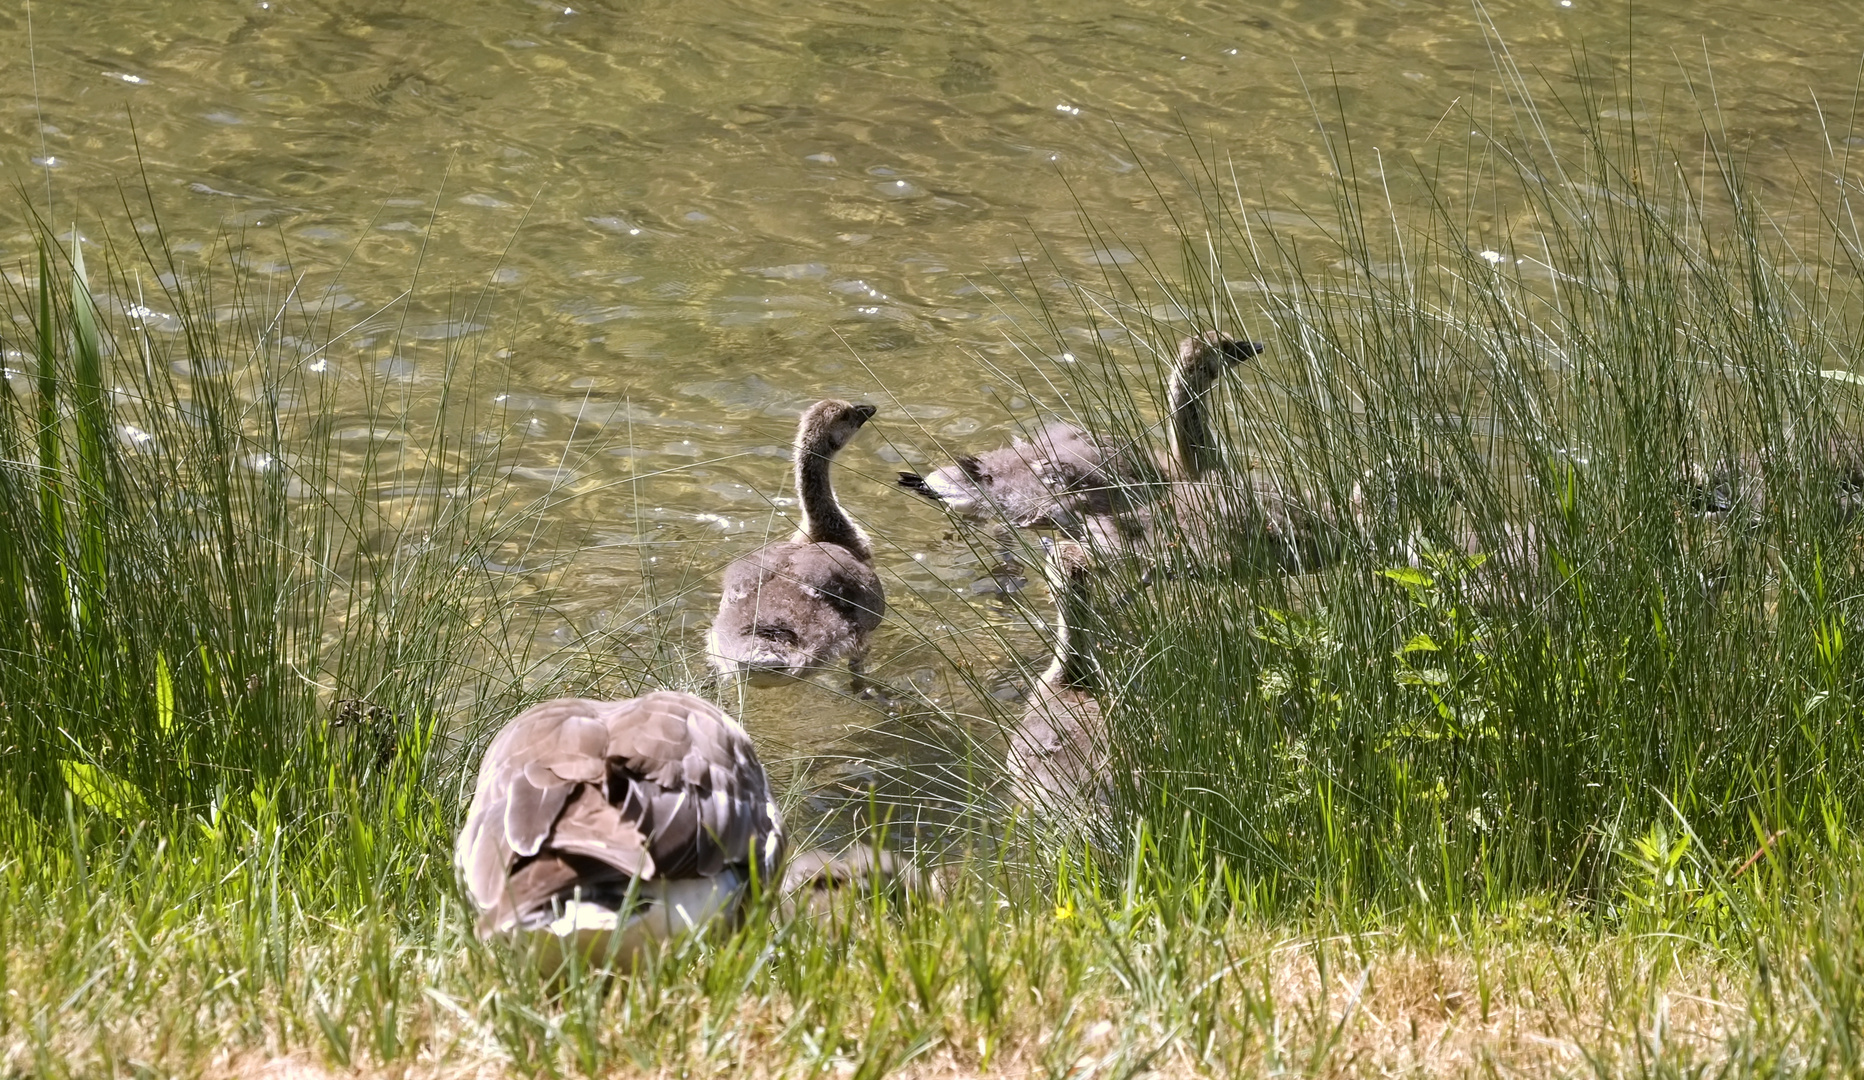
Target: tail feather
pixel 912 481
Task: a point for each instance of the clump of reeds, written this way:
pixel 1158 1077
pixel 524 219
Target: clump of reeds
pixel 213 615
pixel 1593 482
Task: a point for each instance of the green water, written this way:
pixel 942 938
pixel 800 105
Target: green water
pixel 691 219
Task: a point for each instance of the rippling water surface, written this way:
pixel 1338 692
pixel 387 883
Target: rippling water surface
pixel 692 218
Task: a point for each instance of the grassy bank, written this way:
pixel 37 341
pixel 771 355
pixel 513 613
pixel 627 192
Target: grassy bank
pixel 230 961
pixel 1549 771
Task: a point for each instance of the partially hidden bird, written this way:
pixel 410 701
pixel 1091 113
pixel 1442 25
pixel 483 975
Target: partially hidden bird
pixel 601 827
pixel 1063 476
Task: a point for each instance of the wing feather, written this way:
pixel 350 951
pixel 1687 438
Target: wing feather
pixel 531 811
pixel 575 793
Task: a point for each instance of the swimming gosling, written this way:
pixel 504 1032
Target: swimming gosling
pixel 1202 361
pixel 1065 476
pixel 601 827
pixel 1048 482
pixel 813 599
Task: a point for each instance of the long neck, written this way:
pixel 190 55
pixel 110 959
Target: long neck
pixel 824 521
pixel 1191 446
pixel 1073 667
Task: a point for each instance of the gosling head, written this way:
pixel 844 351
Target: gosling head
pixel 829 425
pixel 1069 564
pixel 1208 355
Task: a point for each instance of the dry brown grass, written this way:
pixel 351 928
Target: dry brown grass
pixel 1375 1005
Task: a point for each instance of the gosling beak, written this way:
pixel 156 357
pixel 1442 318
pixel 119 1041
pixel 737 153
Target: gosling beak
pixel 864 413
pixel 1238 351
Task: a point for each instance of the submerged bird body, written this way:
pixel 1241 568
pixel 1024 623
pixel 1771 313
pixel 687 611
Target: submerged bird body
pixel 1058 752
pixel 602 826
pixel 813 599
pixel 792 606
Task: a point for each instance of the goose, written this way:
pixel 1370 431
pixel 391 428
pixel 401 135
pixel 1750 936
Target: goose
pixel 1065 475
pixel 813 599
pixel 1202 360
pixel 600 827
pixel 1058 750
pixel 1046 482
pixel 1209 521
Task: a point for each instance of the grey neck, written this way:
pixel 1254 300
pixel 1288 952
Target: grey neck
pixel 1073 667
pixel 824 521
pixel 1191 445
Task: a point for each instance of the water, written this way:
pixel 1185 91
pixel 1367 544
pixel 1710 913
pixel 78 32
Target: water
pixel 672 225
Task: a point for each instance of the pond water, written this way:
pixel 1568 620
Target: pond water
pixel 672 225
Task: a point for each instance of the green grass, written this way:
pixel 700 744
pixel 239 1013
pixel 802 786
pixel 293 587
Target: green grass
pixel 1383 817
pixel 1436 726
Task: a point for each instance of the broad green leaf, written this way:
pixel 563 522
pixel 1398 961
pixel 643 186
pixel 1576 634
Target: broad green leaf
pixel 84 311
pixel 99 790
pixel 1409 575
pixel 92 427
pixel 1420 642
pixel 164 696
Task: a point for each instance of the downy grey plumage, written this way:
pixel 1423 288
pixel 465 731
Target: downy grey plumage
pixel 813 599
pixel 1058 752
pixel 1202 518
pixel 1064 476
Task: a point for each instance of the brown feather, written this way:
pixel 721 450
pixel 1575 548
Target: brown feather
pixel 579 797
pixel 530 811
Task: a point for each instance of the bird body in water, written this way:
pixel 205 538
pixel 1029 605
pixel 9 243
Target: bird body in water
pixel 600 827
pixel 1064 477
pixel 811 600
pixel 1051 480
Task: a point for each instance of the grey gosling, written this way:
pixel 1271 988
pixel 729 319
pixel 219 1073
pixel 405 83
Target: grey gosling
pixel 602 826
pixel 1208 520
pixel 1047 482
pixel 1065 475
pixel 1057 753
pixel 1202 361
pixel 813 599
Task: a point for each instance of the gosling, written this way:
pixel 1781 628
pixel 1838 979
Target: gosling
pixel 1198 518
pixel 1202 361
pixel 811 600
pixel 1049 482
pixel 1058 754
pixel 1066 476
pixel 602 827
